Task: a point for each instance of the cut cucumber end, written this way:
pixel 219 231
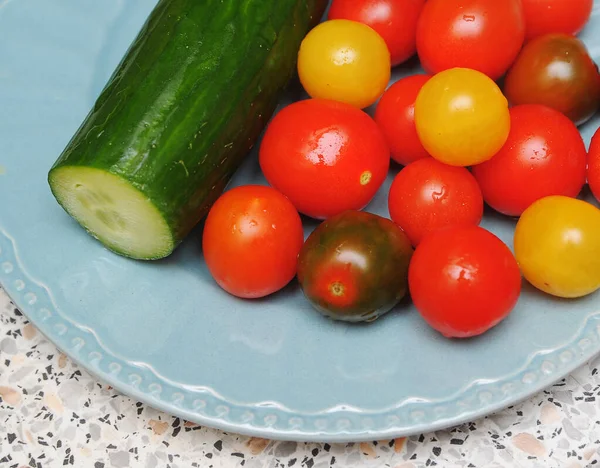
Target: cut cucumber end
pixel 113 211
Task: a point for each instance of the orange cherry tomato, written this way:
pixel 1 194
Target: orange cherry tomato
pixel 251 240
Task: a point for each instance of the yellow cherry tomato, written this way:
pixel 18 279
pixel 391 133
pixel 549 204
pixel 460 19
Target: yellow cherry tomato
pixel 345 61
pixel 461 117
pixel 557 246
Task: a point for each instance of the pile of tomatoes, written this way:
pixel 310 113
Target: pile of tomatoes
pixel 492 121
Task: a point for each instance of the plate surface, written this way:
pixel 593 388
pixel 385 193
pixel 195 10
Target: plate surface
pixel 164 333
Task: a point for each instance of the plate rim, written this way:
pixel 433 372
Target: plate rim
pixel 34 299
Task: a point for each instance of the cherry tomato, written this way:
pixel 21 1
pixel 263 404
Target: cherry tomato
pixel 354 266
pixel 544 155
pixel 557 245
pixel 428 195
pixel 461 117
pixel 463 281
pixel 557 71
pixel 555 16
pixel 325 156
pixel 344 61
pixel 251 240
pixel 394 20
pixel 395 115
pixel 593 175
pixel 485 35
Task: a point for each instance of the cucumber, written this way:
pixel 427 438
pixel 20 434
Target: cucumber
pixel 177 117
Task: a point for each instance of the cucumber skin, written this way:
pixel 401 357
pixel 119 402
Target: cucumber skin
pixel 190 98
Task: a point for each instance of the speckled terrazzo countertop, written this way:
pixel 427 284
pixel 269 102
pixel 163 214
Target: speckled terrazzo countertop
pixel 54 414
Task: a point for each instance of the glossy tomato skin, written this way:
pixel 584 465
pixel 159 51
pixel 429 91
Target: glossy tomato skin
pixel 485 35
pixel 464 281
pixel 557 245
pixel 325 156
pixel 344 61
pixel 395 115
pixel 461 117
pixel 544 155
pixel 555 16
pixel 428 195
pixel 557 71
pixel 394 20
pixel 251 240
pixel 593 175
pixel 354 266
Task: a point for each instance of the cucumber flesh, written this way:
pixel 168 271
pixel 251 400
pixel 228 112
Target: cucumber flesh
pixel 113 211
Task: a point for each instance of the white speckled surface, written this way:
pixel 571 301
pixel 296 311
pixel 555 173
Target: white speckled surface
pixel 54 414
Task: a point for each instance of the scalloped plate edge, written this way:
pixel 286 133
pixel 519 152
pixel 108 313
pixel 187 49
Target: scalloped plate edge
pixel 273 420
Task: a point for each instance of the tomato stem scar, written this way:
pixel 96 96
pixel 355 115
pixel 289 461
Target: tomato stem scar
pixel 365 177
pixel 337 289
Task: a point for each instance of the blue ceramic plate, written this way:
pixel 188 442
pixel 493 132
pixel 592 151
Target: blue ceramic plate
pixel 165 334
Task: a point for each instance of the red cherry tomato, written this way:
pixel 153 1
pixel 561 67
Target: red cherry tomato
pixel 251 240
pixel 325 156
pixel 555 16
pixel 544 155
pixel 428 195
pixel 593 175
pixel 485 35
pixel 394 20
pixel 395 115
pixel 463 281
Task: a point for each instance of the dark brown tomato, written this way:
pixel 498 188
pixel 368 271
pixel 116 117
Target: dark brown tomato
pixel 354 266
pixel 555 70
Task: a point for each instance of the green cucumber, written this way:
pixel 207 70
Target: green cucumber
pixel 176 119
